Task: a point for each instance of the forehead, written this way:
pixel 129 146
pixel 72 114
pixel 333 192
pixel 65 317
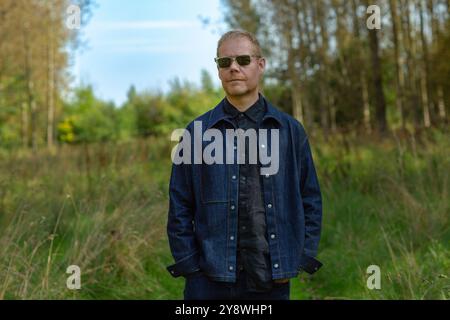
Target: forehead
pixel 236 46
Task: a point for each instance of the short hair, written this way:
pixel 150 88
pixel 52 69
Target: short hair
pixel 240 34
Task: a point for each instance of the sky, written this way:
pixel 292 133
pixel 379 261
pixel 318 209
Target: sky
pixel 147 43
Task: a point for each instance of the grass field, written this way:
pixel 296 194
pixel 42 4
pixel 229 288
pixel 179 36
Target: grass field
pixel 104 208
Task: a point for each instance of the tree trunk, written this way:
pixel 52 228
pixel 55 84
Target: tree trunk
pixel 399 80
pixel 441 104
pixel 380 102
pixel 50 85
pixel 24 125
pixel 425 88
pixel 30 89
pixel 409 45
pixel 324 106
pixel 366 104
pixel 297 107
pixel 433 20
pixel 364 92
pixel 304 32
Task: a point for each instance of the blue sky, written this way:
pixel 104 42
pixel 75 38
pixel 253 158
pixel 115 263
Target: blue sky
pixel 147 43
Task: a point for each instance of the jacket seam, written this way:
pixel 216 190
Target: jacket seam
pixel 187 257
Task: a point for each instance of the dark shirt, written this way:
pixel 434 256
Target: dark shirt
pixel 253 248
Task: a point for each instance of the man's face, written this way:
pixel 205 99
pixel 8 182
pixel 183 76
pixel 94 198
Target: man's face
pixel 240 80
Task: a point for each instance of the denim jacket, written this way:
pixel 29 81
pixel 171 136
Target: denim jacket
pixel 202 218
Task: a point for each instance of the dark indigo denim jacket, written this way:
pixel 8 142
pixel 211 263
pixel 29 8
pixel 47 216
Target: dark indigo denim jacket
pixel 202 220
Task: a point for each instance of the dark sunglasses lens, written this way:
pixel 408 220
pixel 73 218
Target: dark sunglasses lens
pixel 224 62
pixel 243 60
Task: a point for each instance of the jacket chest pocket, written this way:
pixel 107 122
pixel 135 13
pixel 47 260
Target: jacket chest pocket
pixel 214 183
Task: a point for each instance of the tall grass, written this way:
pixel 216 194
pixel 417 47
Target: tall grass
pixel 104 208
pixel 387 204
pixel 101 207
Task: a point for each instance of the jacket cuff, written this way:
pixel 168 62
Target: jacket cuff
pixel 310 264
pixel 184 266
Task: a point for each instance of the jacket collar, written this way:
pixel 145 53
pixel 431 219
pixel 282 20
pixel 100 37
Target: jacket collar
pixel 219 114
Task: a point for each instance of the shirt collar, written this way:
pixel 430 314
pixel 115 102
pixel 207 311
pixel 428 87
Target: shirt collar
pixel 255 112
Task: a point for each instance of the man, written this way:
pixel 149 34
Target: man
pixel 235 232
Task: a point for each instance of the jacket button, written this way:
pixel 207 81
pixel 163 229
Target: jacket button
pixel 232 238
pixel 272 236
pixel 263 146
pixel 230 268
pixel 275 265
pixel 233 177
pixel 232 207
pixel 269 205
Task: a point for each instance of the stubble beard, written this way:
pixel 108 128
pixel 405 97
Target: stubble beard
pixel 232 92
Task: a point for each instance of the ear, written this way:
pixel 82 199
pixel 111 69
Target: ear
pixel 262 64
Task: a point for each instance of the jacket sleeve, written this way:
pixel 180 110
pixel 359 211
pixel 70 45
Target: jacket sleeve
pixel 312 207
pixel 180 228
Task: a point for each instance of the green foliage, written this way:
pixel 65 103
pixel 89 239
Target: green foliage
pixel 9 137
pixel 148 111
pixel 207 82
pixel 87 119
pixel 159 114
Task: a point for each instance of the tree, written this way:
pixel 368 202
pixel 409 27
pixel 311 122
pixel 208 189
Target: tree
pixel 399 79
pixel 34 54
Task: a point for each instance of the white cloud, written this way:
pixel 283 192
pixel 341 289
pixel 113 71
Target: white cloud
pixel 143 45
pixel 152 49
pixel 145 24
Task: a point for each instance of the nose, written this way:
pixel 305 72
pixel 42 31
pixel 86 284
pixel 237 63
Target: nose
pixel 234 65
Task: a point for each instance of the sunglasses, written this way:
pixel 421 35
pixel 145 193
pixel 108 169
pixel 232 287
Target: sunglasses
pixel 243 60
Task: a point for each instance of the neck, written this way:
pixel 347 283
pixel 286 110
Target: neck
pixel 244 102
